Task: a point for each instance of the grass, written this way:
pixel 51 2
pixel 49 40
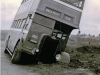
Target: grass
pixel 85 57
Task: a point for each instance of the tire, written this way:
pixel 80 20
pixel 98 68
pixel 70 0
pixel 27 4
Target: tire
pixel 16 57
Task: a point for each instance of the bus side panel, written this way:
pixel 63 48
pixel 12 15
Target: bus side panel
pixel 10 40
pixel 14 37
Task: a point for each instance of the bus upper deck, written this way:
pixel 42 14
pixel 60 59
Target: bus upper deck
pixel 65 11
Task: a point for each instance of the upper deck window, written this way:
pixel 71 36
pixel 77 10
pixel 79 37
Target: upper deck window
pixel 76 3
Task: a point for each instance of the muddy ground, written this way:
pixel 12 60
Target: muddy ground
pixel 82 63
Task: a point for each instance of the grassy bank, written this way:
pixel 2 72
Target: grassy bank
pixel 85 57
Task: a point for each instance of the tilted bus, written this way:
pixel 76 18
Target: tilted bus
pixel 41 28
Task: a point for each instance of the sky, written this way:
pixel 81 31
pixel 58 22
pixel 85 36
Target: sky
pixel 89 24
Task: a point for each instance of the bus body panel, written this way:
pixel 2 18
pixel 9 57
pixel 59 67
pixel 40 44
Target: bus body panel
pixel 15 36
pixel 12 41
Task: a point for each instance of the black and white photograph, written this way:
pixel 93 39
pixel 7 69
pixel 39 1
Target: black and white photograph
pixel 50 37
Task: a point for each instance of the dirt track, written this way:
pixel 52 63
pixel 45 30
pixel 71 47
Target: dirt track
pixel 7 68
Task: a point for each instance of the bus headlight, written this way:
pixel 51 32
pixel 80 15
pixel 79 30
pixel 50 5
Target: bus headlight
pixel 37 50
pixel 58 57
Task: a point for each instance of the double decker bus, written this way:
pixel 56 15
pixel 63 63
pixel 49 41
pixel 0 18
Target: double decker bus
pixel 41 28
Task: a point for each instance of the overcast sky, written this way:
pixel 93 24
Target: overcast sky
pixel 90 21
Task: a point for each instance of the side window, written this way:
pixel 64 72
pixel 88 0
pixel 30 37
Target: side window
pixel 23 23
pixel 19 26
pixel 15 24
pixel 19 23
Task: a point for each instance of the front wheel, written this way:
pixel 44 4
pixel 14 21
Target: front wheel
pixel 16 57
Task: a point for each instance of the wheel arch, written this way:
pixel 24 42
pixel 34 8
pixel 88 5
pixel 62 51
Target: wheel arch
pixel 16 44
pixel 19 40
